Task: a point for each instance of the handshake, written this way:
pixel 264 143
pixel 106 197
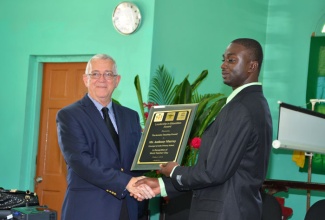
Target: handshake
pixel 146 188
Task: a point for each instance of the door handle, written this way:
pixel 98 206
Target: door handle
pixel 38 179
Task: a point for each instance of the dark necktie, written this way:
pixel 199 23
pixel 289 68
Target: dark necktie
pixel 111 128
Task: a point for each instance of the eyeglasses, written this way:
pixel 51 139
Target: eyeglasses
pixel 107 75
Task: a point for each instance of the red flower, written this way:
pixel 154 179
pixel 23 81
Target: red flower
pixel 148 107
pixel 195 142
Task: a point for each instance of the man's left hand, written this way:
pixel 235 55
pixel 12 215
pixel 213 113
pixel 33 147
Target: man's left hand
pixel 167 168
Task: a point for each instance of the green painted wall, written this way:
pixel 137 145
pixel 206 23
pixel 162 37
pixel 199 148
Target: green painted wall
pixel 190 37
pixel 185 36
pixel 33 32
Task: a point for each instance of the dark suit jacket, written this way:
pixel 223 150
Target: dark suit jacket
pixel 233 161
pixel 97 174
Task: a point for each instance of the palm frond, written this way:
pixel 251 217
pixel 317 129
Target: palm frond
pixel 207 110
pixel 209 115
pixel 183 92
pixel 199 79
pixel 161 89
pixel 195 97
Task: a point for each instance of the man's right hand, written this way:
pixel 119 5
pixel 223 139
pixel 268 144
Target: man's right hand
pixel 153 183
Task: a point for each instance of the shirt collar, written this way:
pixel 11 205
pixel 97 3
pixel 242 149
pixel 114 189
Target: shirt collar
pixel 240 88
pixel 99 106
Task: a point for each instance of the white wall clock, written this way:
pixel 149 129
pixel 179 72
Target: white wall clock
pixel 126 18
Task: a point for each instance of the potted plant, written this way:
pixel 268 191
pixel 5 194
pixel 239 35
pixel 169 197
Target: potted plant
pixel 163 92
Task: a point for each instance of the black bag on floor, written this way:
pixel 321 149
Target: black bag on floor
pixel 17 198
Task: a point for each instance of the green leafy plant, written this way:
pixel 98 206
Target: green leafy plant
pixel 162 91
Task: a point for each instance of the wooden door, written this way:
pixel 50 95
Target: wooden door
pixel 62 85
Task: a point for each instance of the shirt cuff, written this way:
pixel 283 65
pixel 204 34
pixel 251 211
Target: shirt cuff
pixel 163 192
pixel 171 173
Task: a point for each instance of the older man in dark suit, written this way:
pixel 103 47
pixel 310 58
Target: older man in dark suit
pixel 99 160
pixel 235 148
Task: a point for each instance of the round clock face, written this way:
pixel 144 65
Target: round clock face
pixel 126 18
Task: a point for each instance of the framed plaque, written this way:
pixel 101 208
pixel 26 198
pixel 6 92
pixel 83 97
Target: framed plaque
pixel 165 136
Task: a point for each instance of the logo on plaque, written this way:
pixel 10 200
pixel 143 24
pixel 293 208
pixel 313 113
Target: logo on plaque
pixel 159 117
pixel 170 116
pixel 181 116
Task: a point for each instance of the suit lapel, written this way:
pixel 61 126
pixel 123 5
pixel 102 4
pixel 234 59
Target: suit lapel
pixel 91 110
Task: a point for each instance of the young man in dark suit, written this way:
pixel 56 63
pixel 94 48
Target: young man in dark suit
pixel 235 148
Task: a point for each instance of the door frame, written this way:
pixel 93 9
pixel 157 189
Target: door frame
pixel 32 113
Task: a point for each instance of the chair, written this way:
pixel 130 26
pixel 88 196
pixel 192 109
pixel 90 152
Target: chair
pixel 271 208
pixel 316 211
